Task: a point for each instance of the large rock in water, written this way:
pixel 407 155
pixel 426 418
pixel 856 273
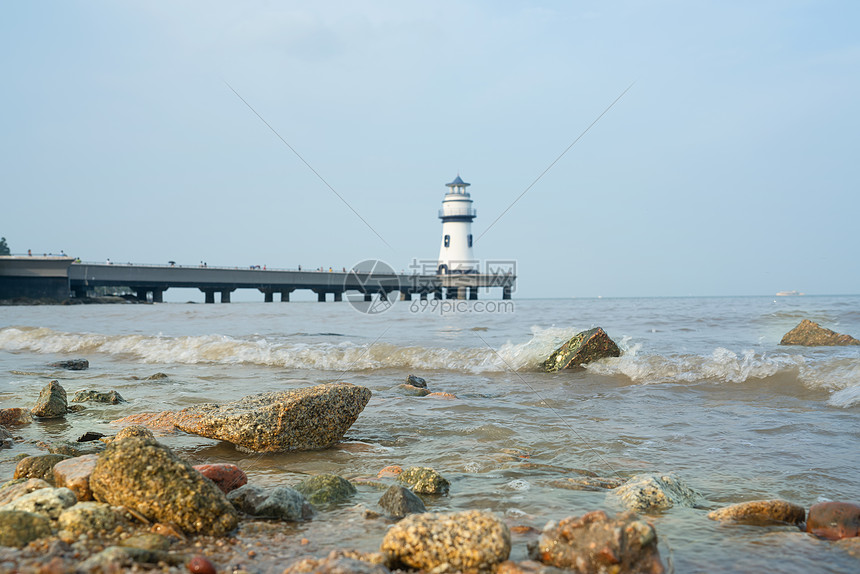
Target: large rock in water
pixel 582 348
pixel 52 401
pixel 310 418
pixel 147 477
pixel 812 334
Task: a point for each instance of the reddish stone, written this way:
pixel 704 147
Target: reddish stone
pixel 227 477
pixel 74 474
pixel 201 565
pixel 15 417
pixel 834 520
pixel 389 471
pixel 442 395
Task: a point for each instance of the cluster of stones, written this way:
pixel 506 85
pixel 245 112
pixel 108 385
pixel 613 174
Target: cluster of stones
pixel 416 386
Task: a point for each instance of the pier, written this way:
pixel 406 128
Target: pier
pixel 19 277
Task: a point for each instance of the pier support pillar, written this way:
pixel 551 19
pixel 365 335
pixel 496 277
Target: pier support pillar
pixel 452 293
pixel 225 295
pixel 406 295
pixel 461 293
pixel 506 292
pixel 368 297
pixel 424 296
pixel 285 296
pixel 268 296
pixel 321 297
pixel 473 293
pixel 158 295
pixel 140 294
pixel 80 292
pixel 210 295
pixel 437 293
pixel 338 296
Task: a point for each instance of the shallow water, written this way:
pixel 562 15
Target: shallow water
pixel 702 389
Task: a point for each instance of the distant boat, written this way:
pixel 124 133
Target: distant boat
pixel 788 293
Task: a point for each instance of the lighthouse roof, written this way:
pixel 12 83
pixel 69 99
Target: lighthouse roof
pixel 457 181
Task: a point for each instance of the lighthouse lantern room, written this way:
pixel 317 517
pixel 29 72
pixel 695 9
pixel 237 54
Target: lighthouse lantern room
pixel 457 214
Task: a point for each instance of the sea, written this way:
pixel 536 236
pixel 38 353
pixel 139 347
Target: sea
pixel 703 389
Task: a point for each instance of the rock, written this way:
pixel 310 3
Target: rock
pixel 439 395
pixel 134 430
pixel 147 541
pixel 201 565
pixel 226 476
pixel 157 377
pixel 834 520
pixel 15 417
pixel 588 483
pixel 74 474
pixel 399 501
pixel 41 466
pixel 49 502
pixel 310 418
pixel 526 567
pixel 470 540
pixel 10 492
pixel 334 566
pixel 70 449
pixel 412 391
pixel 71 364
pixel 88 517
pixel 52 402
pixel 812 334
pixel 110 397
pixel 389 471
pixel 596 543
pixel 90 436
pixel 648 492
pixel 416 381
pixel 582 348
pixel 280 502
pixel 19 528
pixel 326 489
pixel 114 558
pixel 761 512
pixel 147 477
pixel 424 480
pixel 6 439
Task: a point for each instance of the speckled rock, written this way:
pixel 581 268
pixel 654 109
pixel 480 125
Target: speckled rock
pixel 228 477
pixel 20 487
pixel 648 492
pixel 526 567
pixel 326 489
pixel 147 477
pixel 41 466
pixel 811 334
pixel 470 540
pixel 416 381
pixel 110 397
pixel 424 480
pixel 399 501
pixel 114 558
pixel 389 471
pixel 68 449
pixel 834 520
pixel 136 431
pixel 280 502
pixel 594 483
pixel 89 517
pixel 48 502
pixel 310 418
pixel 74 474
pixel 18 528
pixel 761 512
pixel 147 541
pixel 6 439
pixel 582 348
pixel 596 543
pixel 71 364
pixel 52 402
pixel 15 417
pixel 340 562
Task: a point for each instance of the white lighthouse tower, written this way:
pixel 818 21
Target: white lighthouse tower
pixel 457 214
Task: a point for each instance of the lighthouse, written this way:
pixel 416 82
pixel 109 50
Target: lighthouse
pixel 457 214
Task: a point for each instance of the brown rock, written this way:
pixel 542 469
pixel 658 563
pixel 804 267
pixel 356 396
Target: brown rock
pixel 41 466
pixel 15 417
pixel 163 421
pixel 309 418
pixel 227 477
pixel 582 348
pixel 834 520
pixel 6 439
pixel 52 402
pixel 74 474
pixel 812 334
pixel 761 512
pixel 389 471
pixel 596 543
pixel 10 492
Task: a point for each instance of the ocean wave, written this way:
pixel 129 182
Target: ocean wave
pixel 839 375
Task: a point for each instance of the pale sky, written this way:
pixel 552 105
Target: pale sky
pixel 729 168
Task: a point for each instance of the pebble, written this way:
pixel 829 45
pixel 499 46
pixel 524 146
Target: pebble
pixel 227 477
pixel 201 565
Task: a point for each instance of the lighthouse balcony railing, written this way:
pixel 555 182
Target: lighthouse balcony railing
pixel 458 212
